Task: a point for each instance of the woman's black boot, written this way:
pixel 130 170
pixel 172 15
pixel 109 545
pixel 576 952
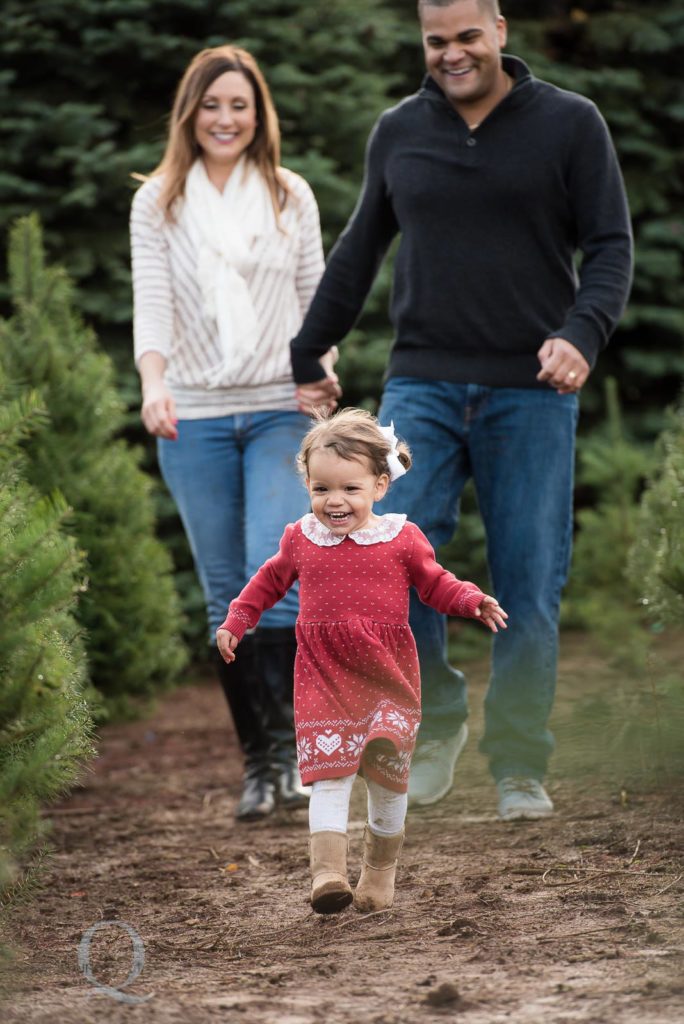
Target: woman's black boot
pixel 276 650
pixel 244 692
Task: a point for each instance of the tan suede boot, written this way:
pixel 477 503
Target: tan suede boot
pixel 330 890
pixel 375 890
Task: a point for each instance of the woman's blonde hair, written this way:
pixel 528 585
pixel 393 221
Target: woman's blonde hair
pixel 182 148
pixel 352 434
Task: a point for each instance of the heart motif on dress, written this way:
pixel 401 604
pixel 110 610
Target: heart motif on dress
pixel 329 744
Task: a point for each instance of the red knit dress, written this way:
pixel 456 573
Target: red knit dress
pixel 356 672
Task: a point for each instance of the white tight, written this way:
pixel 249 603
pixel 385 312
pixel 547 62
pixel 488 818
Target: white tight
pixel 329 807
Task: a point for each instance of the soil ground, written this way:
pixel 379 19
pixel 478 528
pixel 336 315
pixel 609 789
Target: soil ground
pixel 573 919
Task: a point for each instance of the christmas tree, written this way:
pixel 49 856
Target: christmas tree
pixel 130 611
pixel 45 721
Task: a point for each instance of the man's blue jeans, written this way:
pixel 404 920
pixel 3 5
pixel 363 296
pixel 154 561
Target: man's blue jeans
pixel 518 446
pixel 235 485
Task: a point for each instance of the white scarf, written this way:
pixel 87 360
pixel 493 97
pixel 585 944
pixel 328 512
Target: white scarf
pixel 225 226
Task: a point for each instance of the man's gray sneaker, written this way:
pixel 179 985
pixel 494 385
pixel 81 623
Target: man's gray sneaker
pixel 432 768
pixel 523 799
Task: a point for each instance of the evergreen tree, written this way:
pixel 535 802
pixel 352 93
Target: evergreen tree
pixel 637 726
pixel 656 572
pixel 656 562
pixel 112 69
pixel 611 472
pixel 45 722
pixel 129 611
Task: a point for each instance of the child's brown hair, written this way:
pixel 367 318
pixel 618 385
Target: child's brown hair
pixel 351 434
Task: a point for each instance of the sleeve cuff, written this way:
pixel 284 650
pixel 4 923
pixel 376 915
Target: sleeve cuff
pixel 588 347
pixel 470 602
pixel 306 368
pixel 235 624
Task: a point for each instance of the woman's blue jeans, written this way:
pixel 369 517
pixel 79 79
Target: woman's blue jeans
pixel 235 485
pixel 518 446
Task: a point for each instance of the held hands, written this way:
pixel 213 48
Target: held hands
pixel 491 614
pixel 562 365
pixel 159 411
pixel 226 642
pixel 323 392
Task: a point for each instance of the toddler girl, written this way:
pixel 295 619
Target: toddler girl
pixel 357 683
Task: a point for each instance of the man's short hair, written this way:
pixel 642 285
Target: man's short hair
pixel 488 6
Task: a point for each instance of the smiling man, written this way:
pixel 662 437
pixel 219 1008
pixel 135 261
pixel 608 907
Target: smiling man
pixel 495 181
pixel 463 55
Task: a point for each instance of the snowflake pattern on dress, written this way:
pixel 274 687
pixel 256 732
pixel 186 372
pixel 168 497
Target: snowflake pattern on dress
pixel 395 762
pixel 355 745
pixel 303 750
pixel 396 719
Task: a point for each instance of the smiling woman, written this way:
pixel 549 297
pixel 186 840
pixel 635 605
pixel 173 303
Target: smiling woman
pixel 222 93
pixel 227 254
pixel 225 124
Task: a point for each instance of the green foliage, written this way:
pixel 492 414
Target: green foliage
pixel 129 611
pixel 45 721
pixel 631 554
pixel 113 68
pixel 600 597
pixel 656 564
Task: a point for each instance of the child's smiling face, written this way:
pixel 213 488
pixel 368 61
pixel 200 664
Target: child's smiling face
pixel 342 491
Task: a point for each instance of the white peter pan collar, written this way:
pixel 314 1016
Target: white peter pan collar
pixel 387 528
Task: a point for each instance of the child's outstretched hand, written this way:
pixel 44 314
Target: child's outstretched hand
pixel 492 614
pixel 227 642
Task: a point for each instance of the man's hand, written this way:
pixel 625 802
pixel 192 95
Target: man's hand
pixel 491 614
pixel 323 392
pixel 563 366
pixel 226 642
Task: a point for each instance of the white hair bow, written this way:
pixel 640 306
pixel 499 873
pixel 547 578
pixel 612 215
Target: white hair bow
pixel 394 465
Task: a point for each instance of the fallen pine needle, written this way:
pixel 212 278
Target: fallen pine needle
pixel 673 882
pixel 636 850
pixel 588 874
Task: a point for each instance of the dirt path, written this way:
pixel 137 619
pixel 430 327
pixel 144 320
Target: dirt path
pixel 569 920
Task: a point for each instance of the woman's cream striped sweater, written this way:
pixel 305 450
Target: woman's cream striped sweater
pixel 168 316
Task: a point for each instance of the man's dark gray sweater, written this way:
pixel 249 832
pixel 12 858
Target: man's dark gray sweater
pixel 490 223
